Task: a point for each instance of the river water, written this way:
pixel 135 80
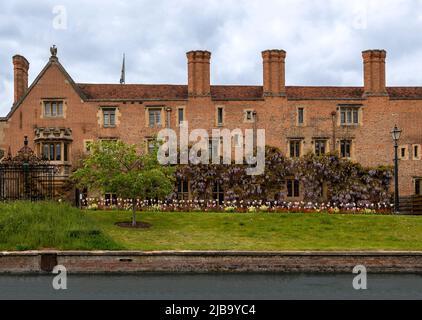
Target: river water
pixel 241 286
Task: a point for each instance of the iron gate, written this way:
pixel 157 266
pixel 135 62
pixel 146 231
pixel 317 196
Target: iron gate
pixel 26 176
pixel 26 182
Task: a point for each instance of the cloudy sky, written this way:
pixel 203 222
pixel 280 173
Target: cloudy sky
pixel 323 39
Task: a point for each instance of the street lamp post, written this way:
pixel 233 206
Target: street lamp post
pixel 395 133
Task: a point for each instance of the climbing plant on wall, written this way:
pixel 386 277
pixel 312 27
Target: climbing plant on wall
pixel 344 180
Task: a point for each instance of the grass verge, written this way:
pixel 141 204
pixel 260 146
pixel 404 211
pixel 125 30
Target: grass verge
pixel 263 231
pixel 45 225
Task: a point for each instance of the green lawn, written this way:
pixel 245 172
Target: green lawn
pixel 45 225
pixel 264 231
pixel 25 226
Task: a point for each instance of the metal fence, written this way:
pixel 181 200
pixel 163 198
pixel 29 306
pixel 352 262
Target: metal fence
pixel 411 205
pixel 26 182
pixel 26 176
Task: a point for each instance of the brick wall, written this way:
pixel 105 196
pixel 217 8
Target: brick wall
pixel 276 113
pixel 209 261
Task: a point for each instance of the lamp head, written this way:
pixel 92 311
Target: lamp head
pixel 395 133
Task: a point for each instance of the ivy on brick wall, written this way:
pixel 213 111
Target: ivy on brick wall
pixel 340 180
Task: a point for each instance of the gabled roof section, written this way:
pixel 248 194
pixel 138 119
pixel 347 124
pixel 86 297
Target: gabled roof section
pixel 53 61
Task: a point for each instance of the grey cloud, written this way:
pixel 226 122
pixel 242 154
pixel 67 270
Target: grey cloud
pixel 323 39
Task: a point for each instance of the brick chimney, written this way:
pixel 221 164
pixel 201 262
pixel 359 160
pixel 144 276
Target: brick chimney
pixel 274 73
pixel 20 72
pixel 374 72
pixel 199 73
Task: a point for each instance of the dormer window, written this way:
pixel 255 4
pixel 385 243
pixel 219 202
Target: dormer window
pixel 53 109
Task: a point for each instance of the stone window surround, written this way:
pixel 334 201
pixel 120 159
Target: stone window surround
pixel 85 143
pixel 217 107
pixel 163 116
pixel 245 113
pixel 297 116
pixel 360 108
pixel 404 147
pixel 177 114
pixel 57 99
pixel 188 193
pixel 327 143
pixel 352 147
pixel 100 116
pixel 418 146
pixel 292 181
pixel 301 146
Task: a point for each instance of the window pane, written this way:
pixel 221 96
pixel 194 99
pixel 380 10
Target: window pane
pixel 349 116
pixel 418 187
pixel 47 109
pixel 151 119
pixel 181 115
pixel 296 188
pixel 65 152
pixel 345 148
pixel 343 117
pixel 154 118
pixel 60 109
pixel 158 117
pixel 348 144
pixel 220 115
pixel 112 119
pixel 58 151
pixel 355 116
pixel 51 151
pixel 45 151
pixel 319 147
pixel 289 188
pixel 300 115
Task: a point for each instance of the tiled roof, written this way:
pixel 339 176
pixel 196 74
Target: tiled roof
pixel 302 92
pixel 405 92
pixel 134 91
pixel 228 92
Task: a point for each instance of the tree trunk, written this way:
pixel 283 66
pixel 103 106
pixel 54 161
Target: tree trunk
pixel 133 212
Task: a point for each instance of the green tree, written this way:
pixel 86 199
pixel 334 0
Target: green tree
pixel 119 168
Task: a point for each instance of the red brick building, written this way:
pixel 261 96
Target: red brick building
pixel 61 117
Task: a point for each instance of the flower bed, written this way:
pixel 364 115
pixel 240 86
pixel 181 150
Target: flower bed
pixel 239 206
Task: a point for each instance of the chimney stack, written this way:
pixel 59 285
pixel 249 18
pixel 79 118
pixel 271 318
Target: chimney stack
pixel 20 72
pixel 274 73
pixel 199 73
pixel 374 72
